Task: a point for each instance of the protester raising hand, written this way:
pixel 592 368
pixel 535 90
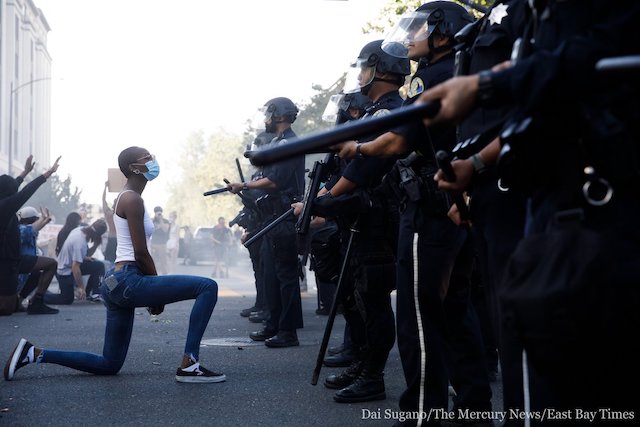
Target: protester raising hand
pixel 52 169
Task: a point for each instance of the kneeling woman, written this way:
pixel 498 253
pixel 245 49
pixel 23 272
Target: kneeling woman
pixel 132 283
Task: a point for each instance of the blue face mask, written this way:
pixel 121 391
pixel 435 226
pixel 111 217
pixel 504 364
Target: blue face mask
pixel 153 170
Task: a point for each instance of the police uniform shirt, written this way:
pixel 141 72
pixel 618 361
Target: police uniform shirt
pixel 442 137
pixel 367 172
pixel 558 82
pixel 569 41
pixel 493 44
pixel 288 175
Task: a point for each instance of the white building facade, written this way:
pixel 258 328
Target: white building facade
pixel 25 86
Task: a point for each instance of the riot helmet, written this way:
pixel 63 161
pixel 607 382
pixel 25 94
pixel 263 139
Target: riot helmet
pixel 344 107
pixel 277 110
pixel 371 60
pixel 440 17
pixel 280 110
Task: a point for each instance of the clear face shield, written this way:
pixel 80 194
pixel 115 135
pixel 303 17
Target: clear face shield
pixel 359 75
pixel 335 104
pixel 412 27
pixel 260 117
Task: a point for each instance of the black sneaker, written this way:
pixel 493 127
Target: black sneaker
pixel 22 355
pixel 198 374
pixel 37 306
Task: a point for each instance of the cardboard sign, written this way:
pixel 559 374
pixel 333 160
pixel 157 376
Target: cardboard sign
pixel 116 180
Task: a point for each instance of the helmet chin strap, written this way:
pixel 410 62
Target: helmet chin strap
pixel 378 79
pixel 365 89
pixel 433 49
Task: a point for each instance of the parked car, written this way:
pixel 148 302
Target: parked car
pixel 201 246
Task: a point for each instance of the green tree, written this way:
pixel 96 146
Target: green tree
pixel 57 195
pixel 204 164
pixel 391 11
pixel 389 15
pixel 310 116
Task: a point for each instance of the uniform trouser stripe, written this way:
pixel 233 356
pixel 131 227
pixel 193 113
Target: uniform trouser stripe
pixel 423 349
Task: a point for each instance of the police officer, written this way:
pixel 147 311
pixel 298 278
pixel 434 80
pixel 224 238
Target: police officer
pixel 365 218
pixel 284 183
pixel 582 230
pixel 248 219
pixel 496 213
pixel 443 252
pixel 342 108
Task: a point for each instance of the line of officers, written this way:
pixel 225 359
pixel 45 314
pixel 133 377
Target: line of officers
pixel 547 154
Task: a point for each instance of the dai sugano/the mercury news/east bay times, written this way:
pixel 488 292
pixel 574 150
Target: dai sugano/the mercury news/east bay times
pixel 548 414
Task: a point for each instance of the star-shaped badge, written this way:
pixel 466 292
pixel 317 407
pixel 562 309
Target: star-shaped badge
pixel 498 13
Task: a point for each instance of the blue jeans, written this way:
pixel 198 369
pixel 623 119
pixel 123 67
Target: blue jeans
pixel 133 290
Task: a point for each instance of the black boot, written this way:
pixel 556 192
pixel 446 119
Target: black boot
pixel 342 359
pixel 262 335
pixel 345 378
pixel 258 316
pixel 247 311
pixel 37 306
pixel 365 388
pixel 284 338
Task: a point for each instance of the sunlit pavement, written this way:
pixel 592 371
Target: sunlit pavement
pixel 264 387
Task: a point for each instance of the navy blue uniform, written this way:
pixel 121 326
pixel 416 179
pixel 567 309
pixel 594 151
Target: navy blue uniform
pixel 370 276
pixel 497 214
pixel 444 257
pixel 571 288
pixel 279 252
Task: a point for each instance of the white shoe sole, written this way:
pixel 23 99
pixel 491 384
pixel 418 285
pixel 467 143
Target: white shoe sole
pixel 8 375
pixel 201 379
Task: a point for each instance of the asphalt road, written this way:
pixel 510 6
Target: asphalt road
pixel 264 387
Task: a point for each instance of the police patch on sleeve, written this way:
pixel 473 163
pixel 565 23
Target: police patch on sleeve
pixel 416 87
pixel 381 112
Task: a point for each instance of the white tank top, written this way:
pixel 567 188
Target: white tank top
pixel 124 248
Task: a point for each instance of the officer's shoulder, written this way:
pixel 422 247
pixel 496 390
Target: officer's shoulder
pixel 381 112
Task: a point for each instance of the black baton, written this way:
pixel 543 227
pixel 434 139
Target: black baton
pixel 216 191
pixel 320 141
pixel 268 228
